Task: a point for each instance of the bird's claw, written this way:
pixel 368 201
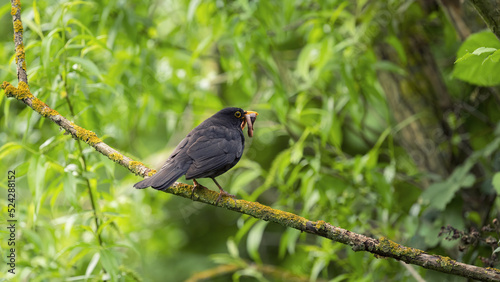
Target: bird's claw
pixel 225 194
pixel 192 191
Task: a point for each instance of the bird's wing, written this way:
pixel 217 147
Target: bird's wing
pixel 177 150
pixel 213 152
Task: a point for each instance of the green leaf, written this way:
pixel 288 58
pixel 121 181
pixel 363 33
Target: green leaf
pixel 288 242
pixel 109 263
pixel 464 57
pixel 92 264
pixel 482 50
pixel 232 248
pixel 468 180
pixel 245 228
pixel 306 58
pixel 318 265
pixel 496 182
pixel 9 149
pixel 474 67
pixel 89 68
pixel 398 46
pixel 439 195
pixel 495 57
pixel 254 239
pixel 193 5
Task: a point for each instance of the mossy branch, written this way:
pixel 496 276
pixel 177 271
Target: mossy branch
pixel 381 247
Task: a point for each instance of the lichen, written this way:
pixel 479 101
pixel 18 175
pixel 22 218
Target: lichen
pixel 320 224
pixel 18 26
pixel 133 166
pixel 446 263
pixel 10 90
pixel 388 246
pixel 22 92
pixel 87 136
pixel 151 172
pixel 13 10
pixel 20 53
pixel 38 105
pixel 116 157
pixel 42 108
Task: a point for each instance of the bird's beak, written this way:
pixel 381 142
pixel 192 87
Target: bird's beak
pixel 250 117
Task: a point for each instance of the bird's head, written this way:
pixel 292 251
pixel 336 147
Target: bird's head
pixel 238 117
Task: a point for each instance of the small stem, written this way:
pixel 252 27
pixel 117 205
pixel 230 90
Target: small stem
pixel 84 168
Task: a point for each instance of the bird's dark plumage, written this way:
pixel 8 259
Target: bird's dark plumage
pixel 209 150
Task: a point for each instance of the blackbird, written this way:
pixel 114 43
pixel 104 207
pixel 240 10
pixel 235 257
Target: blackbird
pixel 209 150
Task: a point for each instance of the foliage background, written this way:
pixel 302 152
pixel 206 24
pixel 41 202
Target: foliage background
pixel 327 145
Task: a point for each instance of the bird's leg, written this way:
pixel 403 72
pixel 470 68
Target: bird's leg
pixel 195 186
pixel 223 193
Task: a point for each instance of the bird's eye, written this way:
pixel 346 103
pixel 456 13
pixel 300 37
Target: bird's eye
pixel 237 114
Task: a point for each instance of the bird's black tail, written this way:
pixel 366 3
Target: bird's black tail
pixel 160 180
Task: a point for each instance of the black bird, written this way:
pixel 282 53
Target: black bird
pixel 209 150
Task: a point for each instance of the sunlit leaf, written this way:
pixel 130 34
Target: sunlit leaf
pixel 496 182
pixel 254 239
pixel 475 68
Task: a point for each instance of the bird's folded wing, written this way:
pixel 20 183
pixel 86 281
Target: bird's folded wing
pixel 213 154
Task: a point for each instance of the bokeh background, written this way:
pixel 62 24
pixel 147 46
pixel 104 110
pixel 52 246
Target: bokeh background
pixel 366 122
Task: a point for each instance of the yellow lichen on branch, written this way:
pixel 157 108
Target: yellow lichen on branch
pixel 85 135
pixel 134 165
pixel 18 26
pixel 389 246
pixel 115 157
pixel 42 108
pixel 20 93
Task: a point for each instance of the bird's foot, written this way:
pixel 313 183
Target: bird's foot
pixel 225 194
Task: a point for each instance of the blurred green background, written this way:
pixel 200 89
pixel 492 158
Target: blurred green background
pixel 365 122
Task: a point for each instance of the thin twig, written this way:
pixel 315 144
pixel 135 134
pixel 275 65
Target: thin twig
pixel 84 168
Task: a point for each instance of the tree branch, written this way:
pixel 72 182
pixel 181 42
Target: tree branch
pixel 490 12
pixel 15 11
pixel 381 247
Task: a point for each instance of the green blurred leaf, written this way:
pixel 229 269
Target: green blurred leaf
pixel 482 50
pixel 476 69
pixel 318 266
pixel 109 262
pixel 232 248
pixel 89 68
pixel 193 5
pixel 9 149
pixel 254 238
pixel 496 182
pixel 439 194
pixel 495 57
pixel 92 264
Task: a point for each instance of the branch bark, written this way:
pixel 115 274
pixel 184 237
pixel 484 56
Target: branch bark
pixel 381 247
pixel 490 12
